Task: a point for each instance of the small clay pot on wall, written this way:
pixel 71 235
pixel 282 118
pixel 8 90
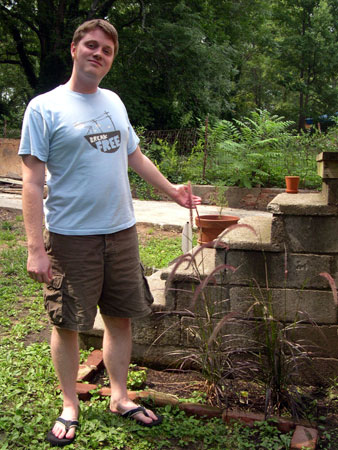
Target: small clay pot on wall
pixel 292 183
pixel 210 226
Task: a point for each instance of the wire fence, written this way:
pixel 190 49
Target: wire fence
pixel 185 138
pixel 10 134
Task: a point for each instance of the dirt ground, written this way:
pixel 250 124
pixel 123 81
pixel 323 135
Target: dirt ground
pixel 7 215
pixel 145 232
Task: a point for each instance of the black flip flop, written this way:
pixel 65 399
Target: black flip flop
pixel 132 412
pixel 55 441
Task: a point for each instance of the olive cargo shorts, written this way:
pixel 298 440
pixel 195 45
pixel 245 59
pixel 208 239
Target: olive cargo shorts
pixel 90 271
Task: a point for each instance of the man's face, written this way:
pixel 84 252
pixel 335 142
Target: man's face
pixel 93 55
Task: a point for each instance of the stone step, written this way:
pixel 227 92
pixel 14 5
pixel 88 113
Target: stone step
pixel 194 266
pixel 253 233
pixel 157 288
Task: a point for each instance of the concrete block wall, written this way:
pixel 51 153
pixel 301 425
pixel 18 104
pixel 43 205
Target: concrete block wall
pixel 279 270
pixel 304 244
pixel 287 305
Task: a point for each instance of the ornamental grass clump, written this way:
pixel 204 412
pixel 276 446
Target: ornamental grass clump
pixel 213 355
pixel 214 346
pixel 282 358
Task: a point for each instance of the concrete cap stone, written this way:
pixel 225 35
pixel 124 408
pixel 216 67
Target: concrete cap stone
pixel 301 205
pixel 246 238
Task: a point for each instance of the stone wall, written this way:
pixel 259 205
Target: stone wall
pixel 251 199
pixel 256 198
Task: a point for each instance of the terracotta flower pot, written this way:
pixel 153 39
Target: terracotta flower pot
pixel 210 226
pixel 292 183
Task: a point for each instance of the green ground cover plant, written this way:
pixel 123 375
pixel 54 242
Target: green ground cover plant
pixel 157 253
pixel 158 248
pixel 30 401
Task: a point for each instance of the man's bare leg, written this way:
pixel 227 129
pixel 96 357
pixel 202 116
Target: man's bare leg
pixel 65 355
pixel 116 355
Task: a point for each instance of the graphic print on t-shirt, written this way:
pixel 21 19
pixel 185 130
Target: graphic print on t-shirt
pixel 106 141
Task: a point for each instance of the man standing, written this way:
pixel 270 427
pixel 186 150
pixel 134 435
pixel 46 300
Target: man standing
pixel 89 254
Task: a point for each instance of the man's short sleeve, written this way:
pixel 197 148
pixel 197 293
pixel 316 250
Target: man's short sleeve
pixel 133 140
pixel 34 135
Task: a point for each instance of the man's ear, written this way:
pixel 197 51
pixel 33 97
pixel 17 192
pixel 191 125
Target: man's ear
pixel 72 49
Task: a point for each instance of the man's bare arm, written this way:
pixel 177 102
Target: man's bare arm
pixel 149 172
pixel 33 175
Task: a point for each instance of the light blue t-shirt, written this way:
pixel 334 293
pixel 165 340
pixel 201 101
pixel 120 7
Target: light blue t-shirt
pixel 85 140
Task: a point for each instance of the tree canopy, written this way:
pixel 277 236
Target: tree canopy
pixel 181 60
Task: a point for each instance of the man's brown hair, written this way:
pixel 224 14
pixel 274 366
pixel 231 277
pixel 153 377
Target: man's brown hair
pixel 91 25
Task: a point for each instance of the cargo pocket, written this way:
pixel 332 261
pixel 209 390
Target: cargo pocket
pixel 147 293
pixel 53 294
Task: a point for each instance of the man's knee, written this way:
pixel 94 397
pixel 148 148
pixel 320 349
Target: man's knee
pixel 116 323
pixel 64 334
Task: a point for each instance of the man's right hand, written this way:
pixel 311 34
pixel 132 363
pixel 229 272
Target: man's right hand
pixel 39 267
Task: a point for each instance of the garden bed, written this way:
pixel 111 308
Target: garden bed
pixel 174 384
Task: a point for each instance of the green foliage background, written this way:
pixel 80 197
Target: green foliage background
pixel 181 60
pixel 259 150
